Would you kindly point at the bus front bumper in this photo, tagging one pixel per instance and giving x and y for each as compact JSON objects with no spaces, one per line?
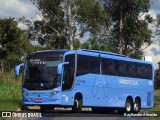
{"x":45,"y":100}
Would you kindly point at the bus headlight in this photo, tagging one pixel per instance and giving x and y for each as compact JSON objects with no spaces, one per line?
{"x":53,"y":93}
{"x":25,"y":93}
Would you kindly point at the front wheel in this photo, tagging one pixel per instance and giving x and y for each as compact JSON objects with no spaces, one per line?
{"x":44,"y":108}
{"x":77,"y":104}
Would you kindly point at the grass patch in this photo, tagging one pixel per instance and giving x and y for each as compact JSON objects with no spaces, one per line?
{"x":10,"y":91}
{"x":10,"y":87}
{"x":9,"y":106}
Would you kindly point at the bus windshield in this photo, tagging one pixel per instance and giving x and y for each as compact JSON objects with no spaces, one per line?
{"x":40,"y":73}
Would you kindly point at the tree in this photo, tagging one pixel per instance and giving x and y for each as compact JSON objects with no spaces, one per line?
{"x":65,"y":20}
{"x":13,"y":43}
{"x":92,"y":17}
{"x":157,"y":23}
{"x":50,"y":30}
{"x":130,"y":32}
{"x":157,"y":77}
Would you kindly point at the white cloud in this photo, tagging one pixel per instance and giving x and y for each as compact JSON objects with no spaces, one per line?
{"x":17,"y":8}
{"x":154,"y":51}
{"x":151,"y":12}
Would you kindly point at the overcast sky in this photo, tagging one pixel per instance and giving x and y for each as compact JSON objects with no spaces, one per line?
{"x":19,"y":8}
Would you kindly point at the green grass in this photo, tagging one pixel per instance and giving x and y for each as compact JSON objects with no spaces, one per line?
{"x":10,"y":91}
{"x":10,"y":87}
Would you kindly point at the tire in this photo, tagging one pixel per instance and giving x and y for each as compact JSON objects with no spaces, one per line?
{"x":100,"y":110}
{"x":95,"y":110}
{"x":136,"y":106}
{"x":77,"y":104}
{"x":44,"y":108}
{"x":128,"y":106}
{"x":23,"y":107}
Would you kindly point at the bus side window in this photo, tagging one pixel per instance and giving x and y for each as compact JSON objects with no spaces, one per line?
{"x":140,"y":71}
{"x":108,"y":66}
{"x":120,"y":68}
{"x":88,"y":64}
{"x":148,"y":72}
{"x":131,"y":69}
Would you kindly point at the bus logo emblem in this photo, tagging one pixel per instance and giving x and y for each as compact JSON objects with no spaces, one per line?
{"x":41,"y":85}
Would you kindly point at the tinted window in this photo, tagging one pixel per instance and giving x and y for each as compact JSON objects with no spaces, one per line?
{"x":130,"y":69}
{"x":144,"y":71}
{"x":120,"y":68}
{"x":108,"y":66}
{"x":126,"y":69}
{"x":87,"y":64}
{"x":148,"y":72}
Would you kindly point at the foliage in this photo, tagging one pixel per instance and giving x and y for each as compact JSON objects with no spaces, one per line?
{"x":48,"y":31}
{"x":157,"y":78}
{"x":13,"y":43}
{"x":96,"y":43}
{"x":130,"y":32}
{"x":11,"y":38}
{"x":76,"y":44}
{"x":9,"y":91}
{"x":112,"y":25}
{"x":10,"y":87}
{"x":63,"y":21}
{"x":157,"y":24}
{"x":10,"y":61}
{"x":92,"y":17}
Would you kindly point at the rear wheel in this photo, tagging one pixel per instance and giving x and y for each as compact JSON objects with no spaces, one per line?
{"x":128,"y":106}
{"x":77,"y":104}
{"x":136,"y":106}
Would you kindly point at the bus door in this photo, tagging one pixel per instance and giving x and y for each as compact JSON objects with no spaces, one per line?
{"x":68,"y":80}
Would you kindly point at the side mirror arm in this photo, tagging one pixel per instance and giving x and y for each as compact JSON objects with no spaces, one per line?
{"x":60,"y":66}
{"x":17,"y":69}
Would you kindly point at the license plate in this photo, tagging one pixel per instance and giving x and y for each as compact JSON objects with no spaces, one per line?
{"x":38,"y":100}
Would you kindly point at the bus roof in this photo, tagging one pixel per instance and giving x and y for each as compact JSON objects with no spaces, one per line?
{"x":47,"y":52}
{"x":103,"y":52}
{"x":87,"y":51}
{"x":112,"y":55}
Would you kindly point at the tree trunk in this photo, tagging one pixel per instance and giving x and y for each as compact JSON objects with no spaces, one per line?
{"x":2,"y":69}
{"x":121,"y":32}
{"x":70,"y":27}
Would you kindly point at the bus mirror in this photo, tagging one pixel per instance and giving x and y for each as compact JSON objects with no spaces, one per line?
{"x":17,"y":69}
{"x":60,"y":66}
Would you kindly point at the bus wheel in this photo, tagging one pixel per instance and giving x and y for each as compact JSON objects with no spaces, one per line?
{"x":136,"y":106}
{"x":94,"y":109}
{"x":129,"y":106}
{"x":43,"y":108}
{"x":77,"y":104}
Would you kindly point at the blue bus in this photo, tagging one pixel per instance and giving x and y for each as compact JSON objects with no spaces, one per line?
{"x":87,"y":78}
